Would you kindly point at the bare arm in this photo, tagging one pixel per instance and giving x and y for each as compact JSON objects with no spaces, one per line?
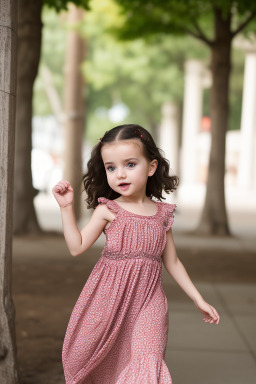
{"x":79,"y":242}
{"x":71,"y":232}
{"x":176,"y":269}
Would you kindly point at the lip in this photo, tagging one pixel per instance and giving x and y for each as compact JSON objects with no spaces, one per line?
{"x":123,"y":183}
{"x":124,"y":187}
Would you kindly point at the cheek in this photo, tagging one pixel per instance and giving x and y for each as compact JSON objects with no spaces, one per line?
{"x":141,"y":172}
{"x":110,"y":177}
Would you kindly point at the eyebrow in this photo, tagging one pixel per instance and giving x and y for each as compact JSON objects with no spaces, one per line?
{"x":131,"y":158}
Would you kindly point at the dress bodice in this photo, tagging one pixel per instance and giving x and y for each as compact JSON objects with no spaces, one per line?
{"x":133,"y":236}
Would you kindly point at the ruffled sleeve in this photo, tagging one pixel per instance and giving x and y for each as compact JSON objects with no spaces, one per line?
{"x":169,"y":216}
{"x":114,"y":207}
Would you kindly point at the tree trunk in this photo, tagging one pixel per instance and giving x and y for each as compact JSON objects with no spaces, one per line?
{"x":214,"y":217}
{"x":74,"y":108}
{"x":8,"y":47}
{"x":29,"y":45}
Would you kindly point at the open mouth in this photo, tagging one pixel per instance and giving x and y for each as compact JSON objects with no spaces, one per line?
{"x":123,"y":184}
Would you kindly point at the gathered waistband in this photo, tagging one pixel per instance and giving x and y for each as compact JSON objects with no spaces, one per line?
{"x":131,"y":256}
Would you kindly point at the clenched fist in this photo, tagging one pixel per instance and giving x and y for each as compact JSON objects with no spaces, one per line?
{"x":63,"y":193}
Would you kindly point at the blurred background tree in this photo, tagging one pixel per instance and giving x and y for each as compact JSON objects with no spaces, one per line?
{"x":29,"y":50}
{"x":215,"y":23}
{"x":139,"y":75}
{"x":113,"y":69}
{"x":129,"y":80}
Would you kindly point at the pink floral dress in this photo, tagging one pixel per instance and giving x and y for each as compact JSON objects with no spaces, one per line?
{"x":118,"y":330}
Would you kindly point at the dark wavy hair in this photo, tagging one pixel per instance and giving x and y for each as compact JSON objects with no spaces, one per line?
{"x":95,"y":179}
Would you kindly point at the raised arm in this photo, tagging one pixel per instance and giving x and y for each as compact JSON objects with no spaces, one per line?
{"x":77,"y":242}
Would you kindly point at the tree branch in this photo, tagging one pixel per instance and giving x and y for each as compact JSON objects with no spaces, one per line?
{"x":243,"y":25}
{"x":199,"y":36}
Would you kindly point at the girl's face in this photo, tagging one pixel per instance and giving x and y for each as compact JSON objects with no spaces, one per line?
{"x":125,"y":163}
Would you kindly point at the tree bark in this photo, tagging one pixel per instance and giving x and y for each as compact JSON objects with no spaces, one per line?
{"x":214,"y":217}
{"x":8,"y":46}
{"x":29,"y":46}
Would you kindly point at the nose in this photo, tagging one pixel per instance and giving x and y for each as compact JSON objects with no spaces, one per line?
{"x":121,"y":173}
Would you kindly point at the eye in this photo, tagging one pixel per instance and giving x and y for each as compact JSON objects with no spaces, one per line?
{"x":110,"y":167}
{"x":132,"y":164}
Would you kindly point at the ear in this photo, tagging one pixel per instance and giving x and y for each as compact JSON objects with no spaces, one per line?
{"x":152,"y":167}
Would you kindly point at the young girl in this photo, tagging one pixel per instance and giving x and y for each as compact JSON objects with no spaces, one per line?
{"x":118,"y":330}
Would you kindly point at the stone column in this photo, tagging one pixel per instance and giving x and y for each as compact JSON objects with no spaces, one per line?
{"x":168,"y":135}
{"x":247,"y":161}
{"x":192,"y":113}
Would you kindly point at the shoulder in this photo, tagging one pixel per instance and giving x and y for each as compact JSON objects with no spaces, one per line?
{"x":168,"y":207}
{"x":106,"y":205}
{"x":101,"y":211}
{"x":168,"y":214}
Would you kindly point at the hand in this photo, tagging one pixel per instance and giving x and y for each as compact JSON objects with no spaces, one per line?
{"x":63,"y":193}
{"x":209,"y":312}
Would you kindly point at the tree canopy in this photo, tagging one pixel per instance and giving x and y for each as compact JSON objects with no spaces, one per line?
{"x":60,"y":5}
{"x":192,"y":17}
{"x":126,"y":71}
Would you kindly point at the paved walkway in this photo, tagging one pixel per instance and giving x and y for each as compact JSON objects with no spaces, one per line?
{"x":223,"y":270}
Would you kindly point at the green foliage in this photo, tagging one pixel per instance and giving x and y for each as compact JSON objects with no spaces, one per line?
{"x":60,"y":5}
{"x":142,"y":74}
{"x":196,"y":17}
{"x":150,"y":18}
